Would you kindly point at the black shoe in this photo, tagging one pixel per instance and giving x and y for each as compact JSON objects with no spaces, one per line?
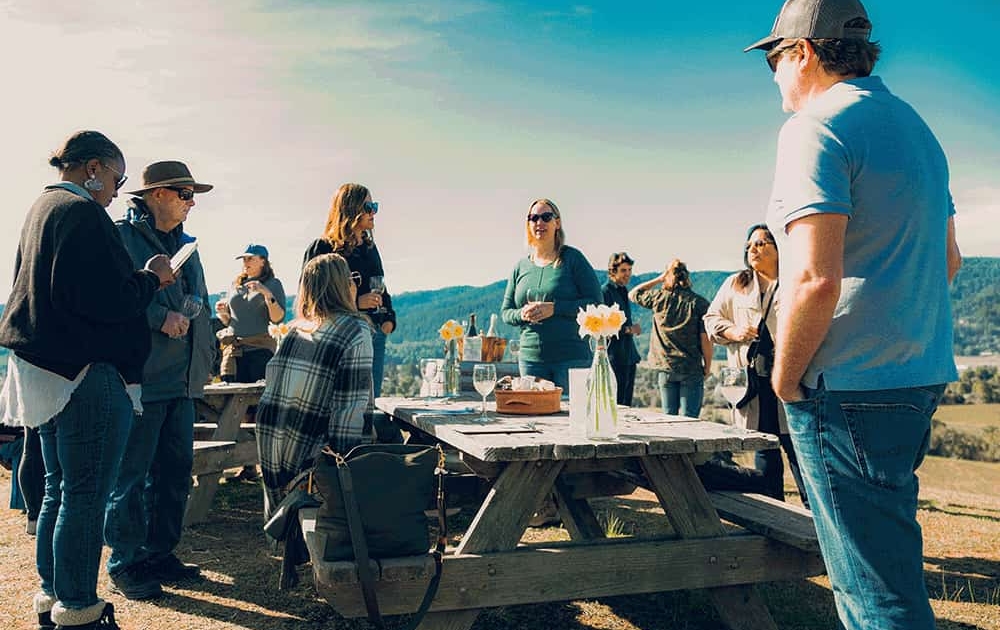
{"x":170,"y":569}
{"x":105,"y":622}
{"x":135,"y":583}
{"x":45,"y":621}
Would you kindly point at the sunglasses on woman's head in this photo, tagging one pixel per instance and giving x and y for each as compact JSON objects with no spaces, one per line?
{"x":544,"y":217}
{"x":185,"y":194}
{"x":371,"y":207}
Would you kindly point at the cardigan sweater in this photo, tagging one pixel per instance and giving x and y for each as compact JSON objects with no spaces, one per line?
{"x":77,"y":298}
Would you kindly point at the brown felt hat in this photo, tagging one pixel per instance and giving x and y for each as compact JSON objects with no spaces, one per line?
{"x":168,"y":174}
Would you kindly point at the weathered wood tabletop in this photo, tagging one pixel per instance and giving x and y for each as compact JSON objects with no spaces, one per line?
{"x":528,"y":458}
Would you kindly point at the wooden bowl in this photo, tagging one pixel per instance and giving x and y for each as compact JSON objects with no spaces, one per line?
{"x":528,"y":402}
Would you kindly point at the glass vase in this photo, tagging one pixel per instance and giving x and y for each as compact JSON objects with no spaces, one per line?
{"x":452,"y":369}
{"x":602,"y":395}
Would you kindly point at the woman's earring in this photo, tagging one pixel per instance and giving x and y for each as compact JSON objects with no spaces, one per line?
{"x":93,"y":184}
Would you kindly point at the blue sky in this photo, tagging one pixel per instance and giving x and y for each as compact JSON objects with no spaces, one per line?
{"x":644,"y":121}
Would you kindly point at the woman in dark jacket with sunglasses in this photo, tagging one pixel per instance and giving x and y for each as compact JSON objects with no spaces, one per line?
{"x":76,"y":323}
{"x":348,"y":232}
{"x":543,"y":295}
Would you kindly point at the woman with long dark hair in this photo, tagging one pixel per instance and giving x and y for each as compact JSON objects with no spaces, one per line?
{"x":348,"y":232}
{"x":743,"y":313}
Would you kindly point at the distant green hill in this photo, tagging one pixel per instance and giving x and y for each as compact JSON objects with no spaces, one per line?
{"x":975,"y":299}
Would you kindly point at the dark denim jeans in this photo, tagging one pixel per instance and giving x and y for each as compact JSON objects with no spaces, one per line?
{"x":625,"y":375}
{"x":681,"y":395}
{"x":378,"y":360}
{"x":558,"y":373}
{"x":82,"y":447}
{"x":146,"y":508}
{"x":858,"y":451}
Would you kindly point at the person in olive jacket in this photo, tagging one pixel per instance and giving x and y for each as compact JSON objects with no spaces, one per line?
{"x":146,"y":508}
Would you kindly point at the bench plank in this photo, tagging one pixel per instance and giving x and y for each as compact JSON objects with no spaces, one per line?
{"x":539,"y":574}
{"x":782,"y":521}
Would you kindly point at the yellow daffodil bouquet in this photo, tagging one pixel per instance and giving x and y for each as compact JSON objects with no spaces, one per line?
{"x":451,"y":330}
{"x":600,"y":321}
{"x":278,"y":331}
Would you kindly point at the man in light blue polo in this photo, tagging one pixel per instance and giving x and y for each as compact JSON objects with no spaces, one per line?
{"x":864,"y":216}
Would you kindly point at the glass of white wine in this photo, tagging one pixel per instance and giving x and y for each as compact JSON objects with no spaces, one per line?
{"x":732,"y":384}
{"x":377,"y":285}
{"x":484,"y":379}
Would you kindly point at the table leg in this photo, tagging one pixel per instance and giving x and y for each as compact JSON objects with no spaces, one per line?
{"x":577,"y":515}
{"x":227,"y":430}
{"x":690,"y":512}
{"x":500,"y":523}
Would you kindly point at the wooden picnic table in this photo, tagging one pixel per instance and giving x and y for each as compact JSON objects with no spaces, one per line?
{"x":226,"y":442}
{"x":530,"y":458}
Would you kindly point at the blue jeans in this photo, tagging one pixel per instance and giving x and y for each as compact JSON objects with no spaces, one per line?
{"x":82,"y":447}
{"x":681,"y":395}
{"x":378,"y":360}
{"x":557,"y":372}
{"x":145,"y":511}
{"x":858,"y":451}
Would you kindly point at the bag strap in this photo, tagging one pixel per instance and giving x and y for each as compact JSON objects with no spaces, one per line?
{"x":360,"y":544}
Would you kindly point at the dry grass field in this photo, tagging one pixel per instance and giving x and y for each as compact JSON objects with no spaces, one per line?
{"x":960,"y":514}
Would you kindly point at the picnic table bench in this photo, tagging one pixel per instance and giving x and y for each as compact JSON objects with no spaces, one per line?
{"x":222,"y":442}
{"x":529,"y":458}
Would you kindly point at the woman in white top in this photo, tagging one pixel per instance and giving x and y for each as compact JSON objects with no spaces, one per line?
{"x":734,"y":320}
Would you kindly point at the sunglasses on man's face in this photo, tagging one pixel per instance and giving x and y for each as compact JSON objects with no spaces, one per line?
{"x":185,"y":194}
{"x":371,"y":207}
{"x":544,"y":217}
{"x":356,"y":278}
{"x":775,"y":54}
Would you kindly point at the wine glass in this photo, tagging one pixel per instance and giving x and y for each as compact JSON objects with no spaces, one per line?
{"x":376,"y":284}
{"x":191,"y":306}
{"x":428,"y":370}
{"x":514,"y":345}
{"x":484,"y":379}
{"x":732,"y":384}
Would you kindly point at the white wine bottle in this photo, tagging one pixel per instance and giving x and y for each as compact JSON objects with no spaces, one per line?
{"x":492,"y":332}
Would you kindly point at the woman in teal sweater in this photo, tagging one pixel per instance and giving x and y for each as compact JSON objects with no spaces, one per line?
{"x":543,"y":295}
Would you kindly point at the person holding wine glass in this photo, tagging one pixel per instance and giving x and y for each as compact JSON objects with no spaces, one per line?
{"x":76,"y":325}
{"x":145,"y":511}
{"x":744,"y":314}
{"x":350,"y":223}
{"x":544,"y":292}
{"x":257,"y":299}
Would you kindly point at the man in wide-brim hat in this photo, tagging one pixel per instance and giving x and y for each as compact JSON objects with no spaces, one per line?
{"x":143,"y":525}
{"x":168,"y":174}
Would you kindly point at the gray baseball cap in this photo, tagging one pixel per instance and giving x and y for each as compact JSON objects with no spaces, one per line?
{"x":815,"y":19}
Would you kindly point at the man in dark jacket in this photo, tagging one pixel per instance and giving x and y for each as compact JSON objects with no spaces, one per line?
{"x":622,"y":351}
{"x":146,"y":509}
